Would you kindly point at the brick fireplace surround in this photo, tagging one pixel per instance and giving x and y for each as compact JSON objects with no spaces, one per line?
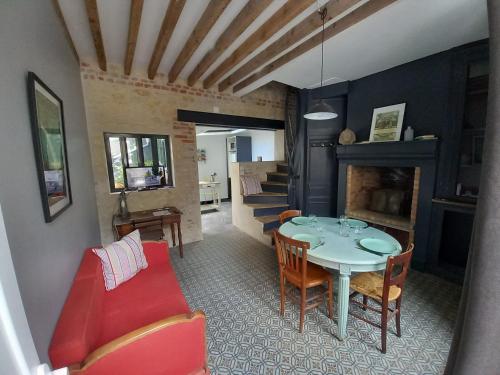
{"x":399,"y":204}
{"x":360,"y":174}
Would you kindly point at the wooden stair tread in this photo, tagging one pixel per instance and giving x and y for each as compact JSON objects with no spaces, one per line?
{"x":266,"y":205}
{"x":267,"y":219}
{"x":273,"y":183}
{"x":268,"y":193}
{"x":277,"y":174}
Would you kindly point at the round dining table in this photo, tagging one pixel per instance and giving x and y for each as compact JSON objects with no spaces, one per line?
{"x":343,"y":254}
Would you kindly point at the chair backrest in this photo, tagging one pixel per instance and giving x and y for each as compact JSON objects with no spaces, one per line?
{"x":291,"y":254}
{"x":401,"y":261}
{"x":288,"y":214}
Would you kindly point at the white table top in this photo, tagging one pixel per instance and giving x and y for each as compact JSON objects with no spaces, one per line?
{"x":342,"y":253}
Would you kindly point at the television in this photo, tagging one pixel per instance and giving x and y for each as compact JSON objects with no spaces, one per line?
{"x":145,"y":177}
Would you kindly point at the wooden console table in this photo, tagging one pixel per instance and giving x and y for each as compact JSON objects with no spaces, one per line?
{"x":156,"y":217}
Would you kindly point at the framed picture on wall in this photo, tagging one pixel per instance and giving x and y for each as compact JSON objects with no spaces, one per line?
{"x":47,"y":128}
{"x":387,"y":123}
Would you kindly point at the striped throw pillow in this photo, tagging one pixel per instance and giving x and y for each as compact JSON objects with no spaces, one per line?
{"x":250,"y":184}
{"x":122,"y":260}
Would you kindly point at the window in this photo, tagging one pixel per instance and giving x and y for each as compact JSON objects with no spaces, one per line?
{"x":138,"y":161}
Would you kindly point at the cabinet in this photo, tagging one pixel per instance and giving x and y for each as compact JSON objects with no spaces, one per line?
{"x":453,"y":209}
{"x":239,"y":149}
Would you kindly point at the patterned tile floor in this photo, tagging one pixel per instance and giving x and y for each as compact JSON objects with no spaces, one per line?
{"x":233,"y":278}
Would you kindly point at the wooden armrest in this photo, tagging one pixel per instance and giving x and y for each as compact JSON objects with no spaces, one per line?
{"x":133,"y":336}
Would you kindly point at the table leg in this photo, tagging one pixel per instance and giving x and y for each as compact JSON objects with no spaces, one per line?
{"x":343,"y":304}
{"x":181,"y":250}
{"x":172,"y":230}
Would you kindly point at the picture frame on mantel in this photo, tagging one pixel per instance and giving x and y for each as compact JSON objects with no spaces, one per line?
{"x":387,"y":123}
{"x":49,"y":142}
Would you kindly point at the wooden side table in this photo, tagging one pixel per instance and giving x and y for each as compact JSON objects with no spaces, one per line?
{"x":169,"y":216}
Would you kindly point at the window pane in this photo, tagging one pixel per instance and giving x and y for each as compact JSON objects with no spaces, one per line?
{"x":147,"y":150}
{"x":132,"y":152}
{"x":162,"y":152}
{"x":116,"y":162}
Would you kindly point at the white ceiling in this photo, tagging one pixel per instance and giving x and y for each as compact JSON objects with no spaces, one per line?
{"x":402,"y":32}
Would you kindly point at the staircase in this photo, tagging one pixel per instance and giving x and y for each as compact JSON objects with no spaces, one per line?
{"x":274,"y":199}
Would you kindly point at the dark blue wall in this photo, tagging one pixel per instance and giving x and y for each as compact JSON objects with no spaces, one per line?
{"x":422,"y":84}
{"x":433,"y":89}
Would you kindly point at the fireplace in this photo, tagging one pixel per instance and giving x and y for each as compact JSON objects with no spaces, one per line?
{"x":385,"y":196}
{"x":391,"y":186}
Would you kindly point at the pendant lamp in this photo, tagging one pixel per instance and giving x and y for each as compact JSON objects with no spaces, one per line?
{"x":321,"y":110}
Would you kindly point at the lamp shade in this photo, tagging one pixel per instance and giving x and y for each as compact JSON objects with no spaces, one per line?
{"x":320,"y":111}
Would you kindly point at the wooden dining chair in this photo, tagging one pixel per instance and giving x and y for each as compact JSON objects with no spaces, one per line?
{"x":383,"y":290}
{"x":297,"y":271}
{"x":288,"y":214}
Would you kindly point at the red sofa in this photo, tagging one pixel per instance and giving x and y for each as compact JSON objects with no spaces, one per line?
{"x":144,"y":326}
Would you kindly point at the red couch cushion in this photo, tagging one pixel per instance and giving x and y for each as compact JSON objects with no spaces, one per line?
{"x":79,"y":325}
{"x":92,"y":317}
{"x":151,"y":295}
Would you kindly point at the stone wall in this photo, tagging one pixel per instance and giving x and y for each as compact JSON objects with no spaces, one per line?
{"x":135,"y":104}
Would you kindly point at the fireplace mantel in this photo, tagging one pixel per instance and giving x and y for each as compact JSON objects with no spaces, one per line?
{"x":414,"y":150}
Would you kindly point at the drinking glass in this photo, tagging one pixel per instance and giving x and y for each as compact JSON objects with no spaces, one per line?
{"x":344,"y":228}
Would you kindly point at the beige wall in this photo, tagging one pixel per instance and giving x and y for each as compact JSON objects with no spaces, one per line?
{"x":117,"y":103}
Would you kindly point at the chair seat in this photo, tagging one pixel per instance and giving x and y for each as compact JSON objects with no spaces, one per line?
{"x":316,"y":275}
{"x":371,"y":284}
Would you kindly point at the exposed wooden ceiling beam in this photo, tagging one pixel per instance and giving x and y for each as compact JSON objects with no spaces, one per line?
{"x":294,"y":35}
{"x":290,"y":10}
{"x":67,"y":35}
{"x":357,"y":15}
{"x":133,"y":31}
{"x":95,"y":28}
{"x":239,"y":24}
{"x":172,"y":15}
{"x":211,"y":14}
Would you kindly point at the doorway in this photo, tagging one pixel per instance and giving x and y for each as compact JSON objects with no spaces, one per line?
{"x":218,"y":147}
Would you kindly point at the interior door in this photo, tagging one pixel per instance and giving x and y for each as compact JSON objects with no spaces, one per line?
{"x":321,"y":179}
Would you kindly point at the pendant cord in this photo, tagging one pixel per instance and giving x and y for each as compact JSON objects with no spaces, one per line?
{"x":322,"y":12}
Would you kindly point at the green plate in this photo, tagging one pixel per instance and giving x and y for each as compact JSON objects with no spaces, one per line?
{"x":377,"y":245}
{"x":353,"y":223}
{"x":301,"y":220}
{"x":314,"y":241}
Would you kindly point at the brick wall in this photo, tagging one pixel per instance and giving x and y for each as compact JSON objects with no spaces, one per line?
{"x":135,"y":104}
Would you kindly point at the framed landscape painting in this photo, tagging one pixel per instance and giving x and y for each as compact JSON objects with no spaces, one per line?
{"x":47,"y":127}
{"x":387,"y":123}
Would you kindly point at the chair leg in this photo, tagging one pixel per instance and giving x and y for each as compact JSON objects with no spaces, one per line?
{"x":398,"y":317}
{"x":330,"y":298}
{"x":302,"y":308}
{"x":384,"y":326}
{"x":365,"y":302}
{"x":282,"y":296}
